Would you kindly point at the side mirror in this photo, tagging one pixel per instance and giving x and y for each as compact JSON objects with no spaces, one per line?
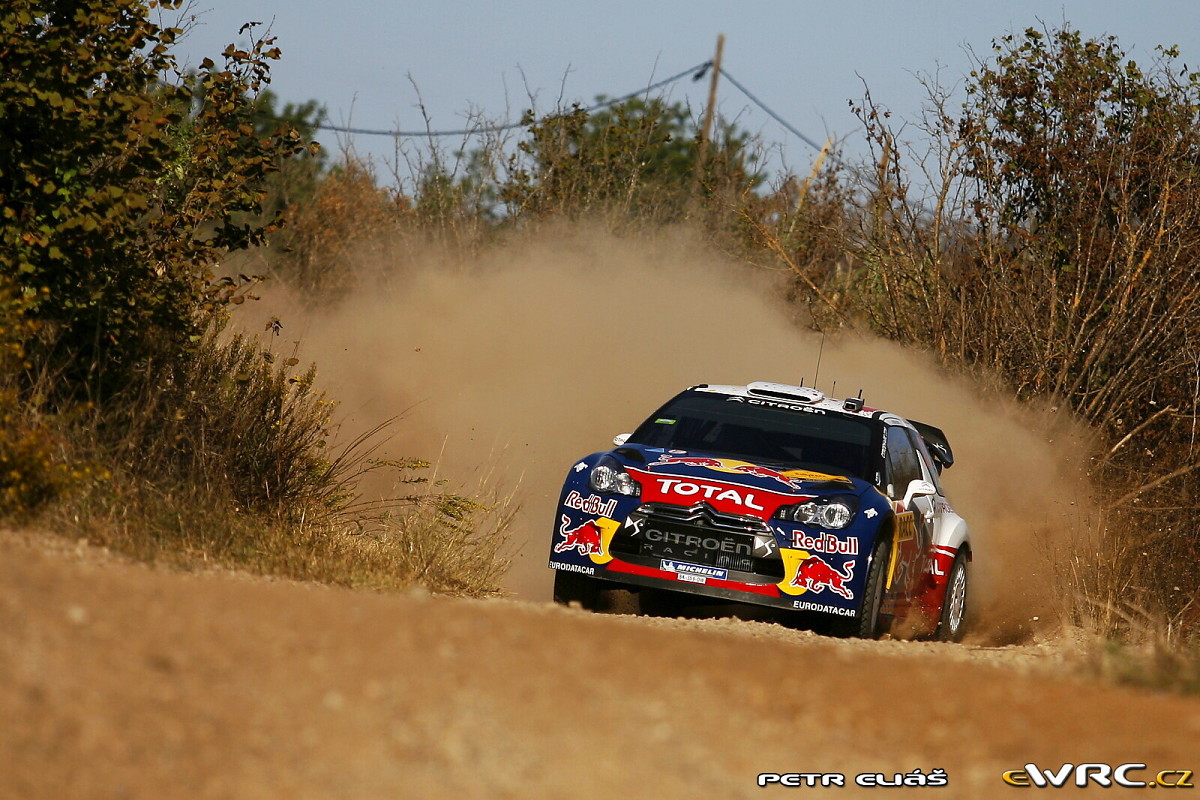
{"x":621,"y":438}
{"x":918,"y":488}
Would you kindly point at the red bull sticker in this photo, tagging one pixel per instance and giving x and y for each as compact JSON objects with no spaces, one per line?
{"x":814,"y":574}
{"x":792,"y":479}
{"x":588,"y":539}
{"x":585,"y":538}
{"x":592,"y":504}
{"x":825,"y":543}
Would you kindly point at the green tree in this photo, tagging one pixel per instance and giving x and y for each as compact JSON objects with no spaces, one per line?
{"x":296,"y":181}
{"x":639,"y":155}
{"x":120,"y":186}
{"x":1086,"y":176}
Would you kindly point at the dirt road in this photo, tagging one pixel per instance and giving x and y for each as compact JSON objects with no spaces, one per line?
{"x":120,"y":681}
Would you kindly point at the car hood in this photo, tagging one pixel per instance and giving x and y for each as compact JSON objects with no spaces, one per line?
{"x":727,"y":484}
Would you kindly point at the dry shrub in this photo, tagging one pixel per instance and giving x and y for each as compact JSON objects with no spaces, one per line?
{"x":1045,"y":236}
{"x":119,"y":198}
{"x":38,"y":465}
{"x":1161,"y":663}
{"x":801,"y":228}
{"x":637,"y":159}
{"x":232,"y":459}
{"x":413,"y":540}
{"x":35,"y":466}
{"x":347,"y":208}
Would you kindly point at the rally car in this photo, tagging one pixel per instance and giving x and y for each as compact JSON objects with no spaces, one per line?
{"x":772,"y":495}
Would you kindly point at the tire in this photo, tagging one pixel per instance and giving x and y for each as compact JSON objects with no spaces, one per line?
{"x":662,"y":603}
{"x":571,"y":587}
{"x":867,"y":624}
{"x":593,"y":595}
{"x":953,"y":621}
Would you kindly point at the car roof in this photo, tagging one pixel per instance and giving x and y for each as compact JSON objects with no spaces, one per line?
{"x":803,"y":396}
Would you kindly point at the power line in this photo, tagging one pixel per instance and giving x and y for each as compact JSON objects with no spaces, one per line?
{"x":697,"y":72}
{"x":791,"y":129}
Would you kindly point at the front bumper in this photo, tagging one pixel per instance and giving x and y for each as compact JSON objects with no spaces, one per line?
{"x":700,"y":551}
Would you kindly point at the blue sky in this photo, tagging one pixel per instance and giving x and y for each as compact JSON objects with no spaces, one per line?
{"x":805,"y":60}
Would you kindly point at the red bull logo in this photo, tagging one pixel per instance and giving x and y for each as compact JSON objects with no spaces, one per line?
{"x":690,"y":461}
{"x":816,"y":575}
{"x":590,"y":504}
{"x":586,"y":538}
{"x":727,"y":466}
{"x":765,"y":472}
{"x":824,"y":543}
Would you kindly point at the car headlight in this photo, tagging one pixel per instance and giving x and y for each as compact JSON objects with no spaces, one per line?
{"x":830,"y":512}
{"x":609,"y":477}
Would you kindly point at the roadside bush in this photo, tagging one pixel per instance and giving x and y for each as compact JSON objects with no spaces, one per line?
{"x":33,"y":470}
{"x":233,"y":460}
{"x":1047,"y":237}
{"x":34,"y":466}
{"x":118,"y":193}
{"x":127,"y":415}
{"x":232,"y":416}
{"x":639,"y":157}
{"x":1055,"y":244}
{"x":346,"y":211}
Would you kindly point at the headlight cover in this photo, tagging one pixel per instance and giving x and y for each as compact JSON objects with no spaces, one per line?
{"x":832,"y":513}
{"x":609,"y":477}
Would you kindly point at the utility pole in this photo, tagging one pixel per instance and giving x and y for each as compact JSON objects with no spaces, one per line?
{"x":816,"y":170}
{"x":706,"y":130}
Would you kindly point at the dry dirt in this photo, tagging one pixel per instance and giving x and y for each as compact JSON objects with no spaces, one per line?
{"x":122,"y":681}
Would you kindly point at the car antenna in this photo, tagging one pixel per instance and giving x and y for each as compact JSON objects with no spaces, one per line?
{"x":821,"y":352}
{"x":833,"y":391}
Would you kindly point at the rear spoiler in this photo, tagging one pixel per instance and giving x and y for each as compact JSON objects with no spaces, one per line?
{"x":939,"y":446}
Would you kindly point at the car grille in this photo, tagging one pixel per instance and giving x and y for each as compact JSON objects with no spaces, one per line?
{"x":705,"y":516}
{"x":700,"y":535}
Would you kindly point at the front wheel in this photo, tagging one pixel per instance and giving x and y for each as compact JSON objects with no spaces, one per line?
{"x":571,"y":587}
{"x":869,"y":619}
{"x":868,"y":624}
{"x":593,"y":595}
{"x":952,"y":623}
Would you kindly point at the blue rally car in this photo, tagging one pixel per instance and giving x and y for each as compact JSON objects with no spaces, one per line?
{"x":773,"y":495}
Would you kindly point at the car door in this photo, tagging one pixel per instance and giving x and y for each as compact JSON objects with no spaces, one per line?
{"x":914,"y":523}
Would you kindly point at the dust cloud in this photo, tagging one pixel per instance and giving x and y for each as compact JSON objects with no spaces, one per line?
{"x":510,"y":368}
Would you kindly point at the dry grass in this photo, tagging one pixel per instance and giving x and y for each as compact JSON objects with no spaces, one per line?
{"x":405,"y":542}
{"x":1151,"y":652}
{"x":233,"y":459}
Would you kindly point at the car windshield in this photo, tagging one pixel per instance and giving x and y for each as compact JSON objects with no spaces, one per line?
{"x":725,"y":425}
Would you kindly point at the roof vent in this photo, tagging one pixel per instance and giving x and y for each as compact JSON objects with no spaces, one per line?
{"x":801,"y":394}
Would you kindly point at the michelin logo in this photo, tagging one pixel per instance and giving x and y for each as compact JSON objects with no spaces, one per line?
{"x":682,"y":568}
